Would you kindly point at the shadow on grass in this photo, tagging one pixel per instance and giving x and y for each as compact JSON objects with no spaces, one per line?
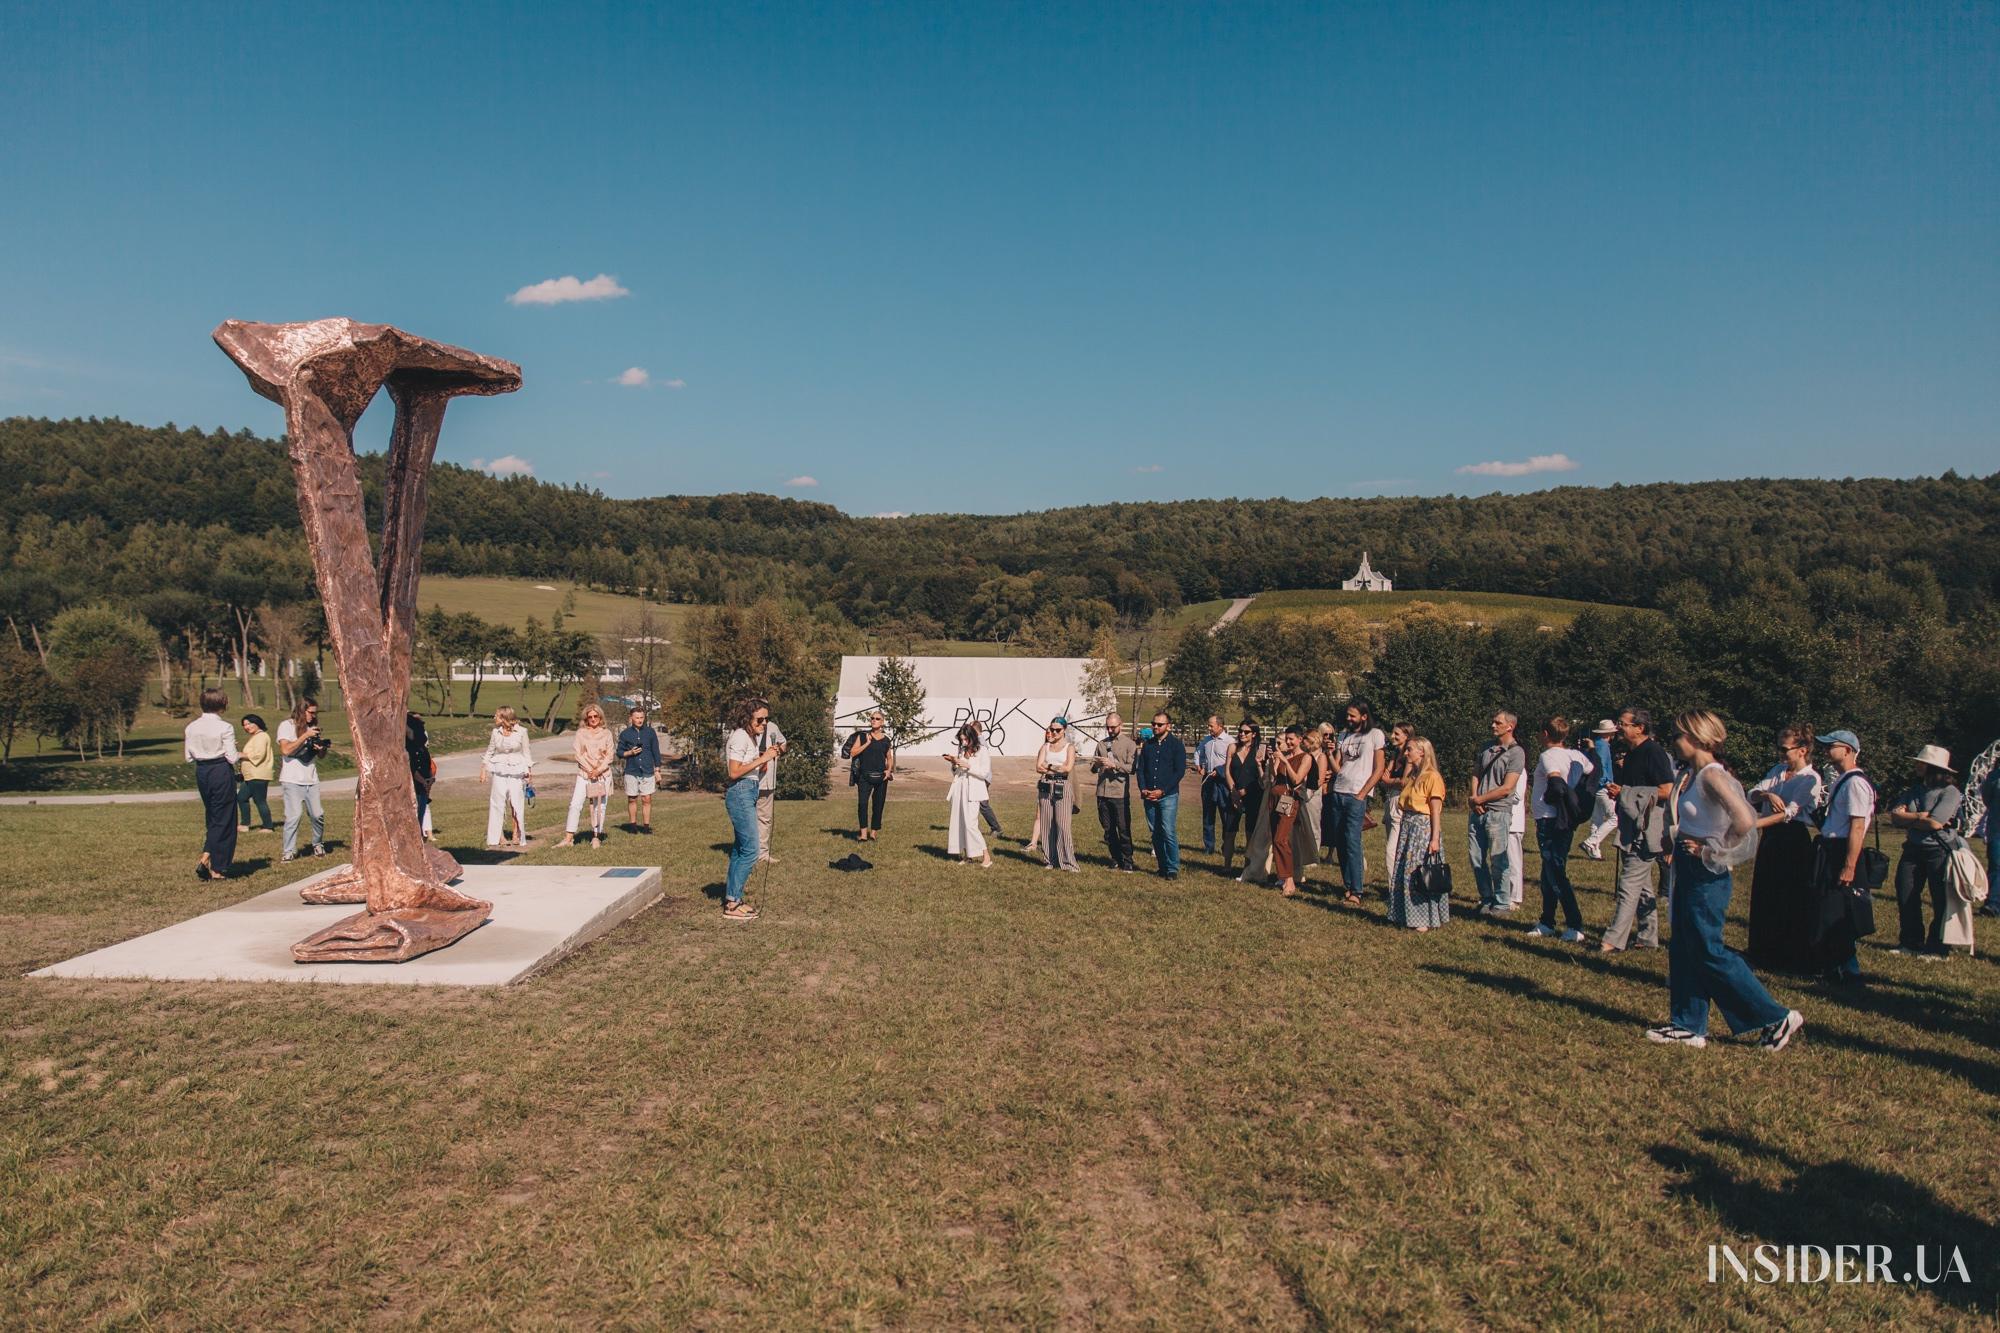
{"x":1532,"y":990}
{"x":1332,"y":901}
{"x":1590,"y":957}
{"x":1838,"y":1202}
{"x":1856,"y":1000}
{"x":1928,"y":1011}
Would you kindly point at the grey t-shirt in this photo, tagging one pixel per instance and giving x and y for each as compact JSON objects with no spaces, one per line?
{"x":1496,"y":761}
{"x":1940,"y":803}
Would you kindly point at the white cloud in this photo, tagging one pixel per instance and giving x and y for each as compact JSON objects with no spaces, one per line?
{"x":803,"y":481}
{"x":513,"y":465}
{"x":555,"y":291}
{"x":891,"y":513}
{"x":1150,"y":467}
{"x":633,"y":377}
{"x":1525,"y":468}
{"x":677,"y":384}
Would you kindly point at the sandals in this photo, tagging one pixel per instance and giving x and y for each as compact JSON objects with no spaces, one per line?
{"x":1350,"y":900}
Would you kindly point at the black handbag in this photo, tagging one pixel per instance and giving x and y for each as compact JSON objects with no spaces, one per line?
{"x":1431,"y":880}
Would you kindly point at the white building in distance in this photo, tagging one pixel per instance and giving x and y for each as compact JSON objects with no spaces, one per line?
{"x":1367,"y":580}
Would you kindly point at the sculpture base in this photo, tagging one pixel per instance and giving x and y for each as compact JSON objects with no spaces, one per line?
{"x":388,"y":937}
{"x":540,"y":914}
{"x":343,"y":883}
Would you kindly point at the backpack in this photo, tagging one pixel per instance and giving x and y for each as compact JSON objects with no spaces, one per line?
{"x":1582,"y":789}
{"x":1557,"y":795}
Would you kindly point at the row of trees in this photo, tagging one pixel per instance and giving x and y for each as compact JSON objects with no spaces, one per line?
{"x":1899,"y":675}
{"x":81,"y":686}
{"x":85,"y":502}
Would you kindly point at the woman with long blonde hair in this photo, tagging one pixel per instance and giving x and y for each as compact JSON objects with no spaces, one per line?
{"x":593,"y":777}
{"x":1419,"y":838}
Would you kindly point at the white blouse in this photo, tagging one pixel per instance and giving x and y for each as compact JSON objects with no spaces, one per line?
{"x":1798,"y":792}
{"x":209,"y":736}
{"x":507,"y":753}
{"x":976,"y":772}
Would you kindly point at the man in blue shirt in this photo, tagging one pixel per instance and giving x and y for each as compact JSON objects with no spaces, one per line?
{"x":1162,"y":764}
{"x":639,"y":747}
{"x":1604,"y":816}
{"x":1211,"y":757}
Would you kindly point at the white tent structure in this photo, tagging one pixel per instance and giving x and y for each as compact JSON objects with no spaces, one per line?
{"x":1012,"y":697}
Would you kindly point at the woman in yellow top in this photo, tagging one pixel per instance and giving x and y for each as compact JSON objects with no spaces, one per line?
{"x":593,"y":776}
{"x":1423,"y":810}
{"x":257,"y":767}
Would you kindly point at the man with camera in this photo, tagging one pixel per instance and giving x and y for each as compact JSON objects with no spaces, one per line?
{"x":301,"y":743}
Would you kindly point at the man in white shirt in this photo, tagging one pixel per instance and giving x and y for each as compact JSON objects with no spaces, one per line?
{"x":1850,"y":808}
{"x":767,"y":789}
{"x":300,"y":742}
{"x":1358,"y":761}
{"x":209,"y":743}
{"x":1554,"y":831}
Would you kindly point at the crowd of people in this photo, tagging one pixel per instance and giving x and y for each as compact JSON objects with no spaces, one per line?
{"x":1679,"y":820}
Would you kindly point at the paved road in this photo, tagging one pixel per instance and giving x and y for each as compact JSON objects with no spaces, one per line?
{"x":1229,"y":617}
{"x":463,"y":764}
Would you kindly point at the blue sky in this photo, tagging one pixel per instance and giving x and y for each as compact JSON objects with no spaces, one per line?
{"x":1000,"y":257}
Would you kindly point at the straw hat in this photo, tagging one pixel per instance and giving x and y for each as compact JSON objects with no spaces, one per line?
{"x":1937,"y":757}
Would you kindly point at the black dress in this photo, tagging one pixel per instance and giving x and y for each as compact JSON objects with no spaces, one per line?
{"x":1782,"y":899}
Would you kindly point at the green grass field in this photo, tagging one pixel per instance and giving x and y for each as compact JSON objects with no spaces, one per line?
{"x":1483,"y":607}
{"x":932,"y":1095}
{"x":511,"y":601}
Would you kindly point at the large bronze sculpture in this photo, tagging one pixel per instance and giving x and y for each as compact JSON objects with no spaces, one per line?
{"x":324,"y":374}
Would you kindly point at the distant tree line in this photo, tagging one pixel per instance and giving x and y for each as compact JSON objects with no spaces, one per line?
{"x":94,"y":502}
{"x":1867,"y":603}
{"x":1872,"y":653}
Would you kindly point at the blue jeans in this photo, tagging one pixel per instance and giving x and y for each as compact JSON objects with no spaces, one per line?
{"x":1492,"y":834}
{"x":1161,"y":817}
{"x":1214,"y":797}
{"x":1557,"y":891}
{"x":740,"y":799}
{"x":1343,"y":816}
{"x":302,"y":798}
{"x":1700,"y":967}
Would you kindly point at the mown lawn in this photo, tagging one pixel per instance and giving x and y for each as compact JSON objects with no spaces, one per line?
{"x":510,"y":602}
{"x":933,"y":1095}
{"x":1481,"y":607}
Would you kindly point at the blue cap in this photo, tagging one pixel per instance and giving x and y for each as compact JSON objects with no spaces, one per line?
{"x":1843,"y":737}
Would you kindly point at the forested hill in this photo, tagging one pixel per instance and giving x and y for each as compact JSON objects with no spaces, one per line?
{"x":92,"y":501}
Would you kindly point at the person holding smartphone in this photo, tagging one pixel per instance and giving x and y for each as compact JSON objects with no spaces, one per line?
{"x":301,"y":744}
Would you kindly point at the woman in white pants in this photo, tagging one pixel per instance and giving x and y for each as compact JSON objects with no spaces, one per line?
{"x":971,"y":782}
{"x":593,"y":776}
{"x":506,"y":769}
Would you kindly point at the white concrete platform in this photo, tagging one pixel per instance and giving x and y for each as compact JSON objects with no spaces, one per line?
{"x":540,"y":913}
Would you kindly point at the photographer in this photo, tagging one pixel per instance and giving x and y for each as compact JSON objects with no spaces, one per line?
{"x":300,"y":742}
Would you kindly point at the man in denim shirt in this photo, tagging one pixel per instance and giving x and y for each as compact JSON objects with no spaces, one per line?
{"x":1162,"y":764}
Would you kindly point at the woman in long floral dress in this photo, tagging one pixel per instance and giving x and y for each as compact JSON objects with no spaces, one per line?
{"x":1423,"y":810}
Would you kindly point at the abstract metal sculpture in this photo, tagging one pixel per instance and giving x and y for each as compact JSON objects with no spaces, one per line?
{"x":324,"y":374}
